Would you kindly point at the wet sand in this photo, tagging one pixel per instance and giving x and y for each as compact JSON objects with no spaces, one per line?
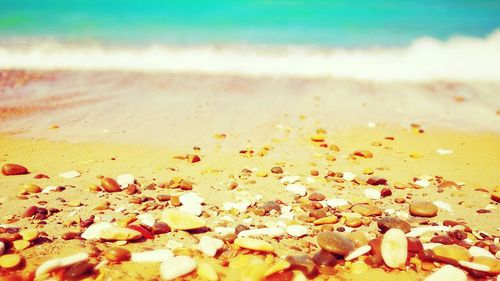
{"x":109,"y":124}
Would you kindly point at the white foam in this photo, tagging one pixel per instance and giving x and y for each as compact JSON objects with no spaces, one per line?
{"x":459,"y":58}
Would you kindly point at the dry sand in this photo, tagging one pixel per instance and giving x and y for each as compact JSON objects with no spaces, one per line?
{"x":110,"y":124}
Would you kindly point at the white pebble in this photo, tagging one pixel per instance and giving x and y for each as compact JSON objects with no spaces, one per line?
{"x":334,"y":203}
{"x":194,"y":209}
{"x":422,"y":183}
{"x":191,"y":198}
{"x":48,"y":189}
{"x":172,"y":244}
{"x":209,"y":245}
{"x":418,"y":231}
{"x":176,"y":267}
{"x":480,"y":252}
{"x":447,"y":272}
{"x":70,"y":175}
{"x":94,"y":231}
{"x":146,"y":219}
{"x":296,"y":189}
{"x":296,"y":230}
{"x":443,"y":205}
{"x":268,"y":231}
{"x":160,"y":255}
{"x":358,"y":252}
{"x":54,"y":264}
{"x":371,"y":193}
{"x":348,"y":176}
{"x":289,"y":179}
{"x":474,"y":266}
{"x":443,"y":151}
{"x":125,"y":180}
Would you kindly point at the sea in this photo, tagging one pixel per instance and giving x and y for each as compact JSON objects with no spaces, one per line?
{"x":363,"y":39}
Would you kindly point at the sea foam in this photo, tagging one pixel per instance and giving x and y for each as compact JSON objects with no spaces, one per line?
{"x":459,"y":58}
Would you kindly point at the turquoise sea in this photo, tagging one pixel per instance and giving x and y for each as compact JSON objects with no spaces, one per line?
{"x":290,"y":22}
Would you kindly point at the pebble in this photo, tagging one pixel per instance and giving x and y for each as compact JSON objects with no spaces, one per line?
{"x":480,"y":252}
{"x":267,"y":231}
{"x":160,"y":255}
{"x":443,"y":205}
{"x":29,"y":234}
{"x":116,"y":254}
{"x":303,"y":263}
{"x":278,"y":266}
{"x":451,"y":253}
{"x":163,"y":197}
{"x":146,"y":219}
{"x":207,"y":272}
{"x":387,"y":223}
{"x":70,"y":174}
{"x":191,"y":198}
{"x":418,"y":231}
{"x":335,"y":243}
{"x":10,"y":261}
{"x":363,"y":153}
{"x":492,"y":263}
{"x":181,"y":220}
{"x":209,"y":245}
{"x":296,"y":189}
{"x":448,"y":184}
{"x":93,"y":231}
{"x":110,"y":185}
{"x":366,"y":210}
{"x":125,"y":180}
{"x":271,"y":205}
{"x":334,"y":203}
{"x":423,"y":209}
{"x":253,"y":244}
{"x":277,"y":170}
{"x":394,"y":248}
{"x":119,"y":233}
{"x":358,"y":268}
{"x":78,"y":271}
{"x":474,"y":266}
{"x":447,"y":272}
{"x":176,"y":267}
{"x":289,"y":179}
{"x":358,"y":252}
{"x":296,"y":230}
{"x":193,"y":209}
{"x":348,"y":176}
{"x":376,"y":181}
{"x":326,"y":220}
{"x":444,"y":151}
{"x":324,"y":258}
{"x":353,"y":222}
{"x":2,"y":248}
{"x":54,"y":264}
{"x":371,"y":193}
{"x":21,"y":244}
{"x":317,"y":214}
{"x":32,"y":188}
{"x":14,"y":169}
{"x":315,"y":196}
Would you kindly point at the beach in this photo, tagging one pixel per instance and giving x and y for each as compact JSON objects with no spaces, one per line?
{"x":319,"y":148}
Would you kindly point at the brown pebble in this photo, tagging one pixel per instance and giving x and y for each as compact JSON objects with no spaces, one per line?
{"x":163,"y":197}
{"x":30,"y":211}
{"x":315,"y":196}
{"x":376,"y":181}
{"x":363,"y":153}
{"x":366,"y":210}
{"x":174,"y":199}
{"x":314,"y":173}
{"x":387,"y":223}
{"x":78,"y":271}
{"x":239,"y":228}
{"x":324,"y":258}
{"x":400,"y":200}
{"x":385,"y":192}
{"x":335,"y":243}
{"x":160,"y":228}
{"x":448,"y":184}
{"x":317,"y":214}
{"x":277,"y":170}
{"x":69,"y":235}
{"x":14,"y":169}
{"x":116,"y":254}
{"x":423,"y":209}
{"x":303,"y":263}
{"x":414,"y":245}
{"x":353,"y":222}
{"x":32,"y":188}
{"x":271,"y":205}
{"x":110,"y":185}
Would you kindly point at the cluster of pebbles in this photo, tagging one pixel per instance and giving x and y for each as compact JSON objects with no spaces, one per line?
{"x":329,"y":236}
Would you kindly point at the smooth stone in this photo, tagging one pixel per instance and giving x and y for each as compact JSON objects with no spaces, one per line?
{"x":296,"y":189}
{"x":475,"y":251}
{"x":315,"y":196}
{"x":358,"y":252}
{"x":29,"y":234}
{"x":21,"y":244}
{"x":116,"y":254}
{"x":2,"y":248}
{"x":324,"y":258}
{"x":335,"y":203}
{"x":271,"y":205}
{"x":146,"y":219}
{"x":32,"y":188}
{"x":207,"y":272}
{"x":366,"y":210}
{"x":386,"y":223}
{"x":181,"y":220}
{"x":125,"y":180}
{"x":176,"y":267}
{"x":191,"y":198}
{"x":209,"y":245}
{"x":492,"y":263}
{"x":70,"y":174}
{"x":160,"y":255}
{"x":289,"y":179}
{"x":303,"y":263}
{"x":160,"y":228}
{"x":326,"y":220}
{"x":14,"y":169}
{"x":119,"y":233}
{"x":335,"y":243}
{"x":376,"y":181}
{"x":371,"y":193}
{"x":268,"y":231}
{"x":394,"y":248}
{"x":78,"y":271}
{"x":474,"y":266}
{"x":348,"y":176}
{"x":443,"y":205}
{"x":54,"y":264}
{"x":451,"y":253}
{"x":253,"y":244}
{"x":193,"y":209}
{"x":418,"y":231}
{"x":423,"y":209}
{"x":353,"y":222}
{"x":447,"y":272}
{"x":10,"y":261}
{"x":110,"y":185}
{"x":296,"y":230}
{"x":94,"y":231}
{"x":278,"y":266}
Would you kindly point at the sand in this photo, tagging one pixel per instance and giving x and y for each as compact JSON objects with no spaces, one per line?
{"x":108,"y":124}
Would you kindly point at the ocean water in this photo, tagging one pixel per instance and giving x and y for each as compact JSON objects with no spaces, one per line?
{"x":363,"y":39}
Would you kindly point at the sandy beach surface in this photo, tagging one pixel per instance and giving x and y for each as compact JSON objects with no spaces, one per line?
{"x":332,"y":156}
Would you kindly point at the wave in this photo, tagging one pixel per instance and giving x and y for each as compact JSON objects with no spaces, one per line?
{"x":459,"y":58}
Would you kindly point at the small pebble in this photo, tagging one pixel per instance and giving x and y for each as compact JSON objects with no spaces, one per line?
{"x":176,"y":267}
{"x":116,"y":254}
{"x":423,"y":209}
{"x":14,"y":169}
{"x":10,"y":261}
